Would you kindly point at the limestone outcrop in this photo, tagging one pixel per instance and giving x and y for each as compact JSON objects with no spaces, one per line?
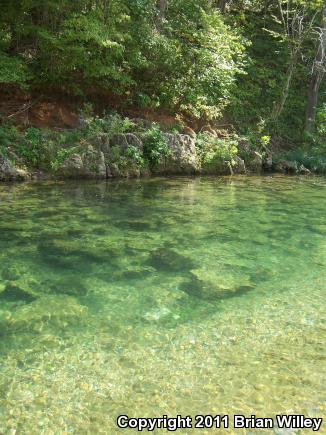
{"x":126,"y":155}
{"x":90,"y":164}
{"x":9,"y":172}
{"x":182,"y":158}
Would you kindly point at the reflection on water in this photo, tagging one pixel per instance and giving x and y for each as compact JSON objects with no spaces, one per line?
{"x":175,"y":296}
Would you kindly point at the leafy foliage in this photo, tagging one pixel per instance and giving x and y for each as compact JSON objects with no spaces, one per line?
{"x":214,"y":151}
{"x":188,"y":65}
{"x":13,"y":70}
{"x":249,"y":63}
{"x":135,"y":155}
{"x":39,"y":149}
{"x":111,"y":124}
{"x":283,"y":39}
{"x":317,"y":140}
{"x":155,"y":146}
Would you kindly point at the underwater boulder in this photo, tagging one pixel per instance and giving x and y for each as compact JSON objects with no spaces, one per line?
{"x":58,"y":253}
{"x":49,"y":311}
{"x":58,"y":247}
{"x":17,"y":292}
{"x":169,"y":260}
{"x":157,"y":314}
{"x":71,"y":285}
{"x":209,"y":285}
{"x":135,"y":225}
{"x":68,"y":253}
{"x":12,"y":273}
{"x":262,"y":274}
{"x":134,"y":272}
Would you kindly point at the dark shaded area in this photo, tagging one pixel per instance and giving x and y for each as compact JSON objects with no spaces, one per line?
{"x":164,"y":259}
{"x":15,"y":293}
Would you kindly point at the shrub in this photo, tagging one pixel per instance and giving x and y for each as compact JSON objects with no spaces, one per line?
{"x":8,"y":136}
{"x":213,"y":151}
{"x":317,"y":139}
{"x":135,"y":155}
{"x":155,"y":146}
{"x":60,"y":156}
{"x":111,"y":124}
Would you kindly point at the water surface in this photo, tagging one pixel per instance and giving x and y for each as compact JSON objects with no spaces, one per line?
{"x":161,"y":296}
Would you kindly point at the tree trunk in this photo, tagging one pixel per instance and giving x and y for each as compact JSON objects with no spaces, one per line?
{"x":318,"y":74}
{"x":278,"y":108}
{"x":161,"y":5}
{"x":221,"y":5}
{"x":106,"y":8}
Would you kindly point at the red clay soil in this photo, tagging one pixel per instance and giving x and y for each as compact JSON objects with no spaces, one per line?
{"x":27,"y":110}
{"x":57,"y":111}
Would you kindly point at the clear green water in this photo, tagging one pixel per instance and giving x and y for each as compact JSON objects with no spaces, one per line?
{"x":176,"y":296}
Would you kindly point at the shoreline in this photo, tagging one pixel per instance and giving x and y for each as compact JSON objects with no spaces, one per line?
{"x":153,"y":178}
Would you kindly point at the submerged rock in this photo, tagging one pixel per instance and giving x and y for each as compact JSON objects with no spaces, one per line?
{"x":12,"y":273}
{"x":209,"y":285}
{"x":71,"y":285}
{"x":133,"y":272}
{"x":135,"y":225}
{"x":58,"y":247}
{"x":69,"y":253}
{"x":262,"y":274}
{"x":59,"y":253}
{"x":157,"y":314}
{"x":16,"y":292}
{"x":48,"y":311}
{"x":169,"y":260}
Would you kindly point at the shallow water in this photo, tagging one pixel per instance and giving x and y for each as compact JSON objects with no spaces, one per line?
{"x":162,"y":296}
